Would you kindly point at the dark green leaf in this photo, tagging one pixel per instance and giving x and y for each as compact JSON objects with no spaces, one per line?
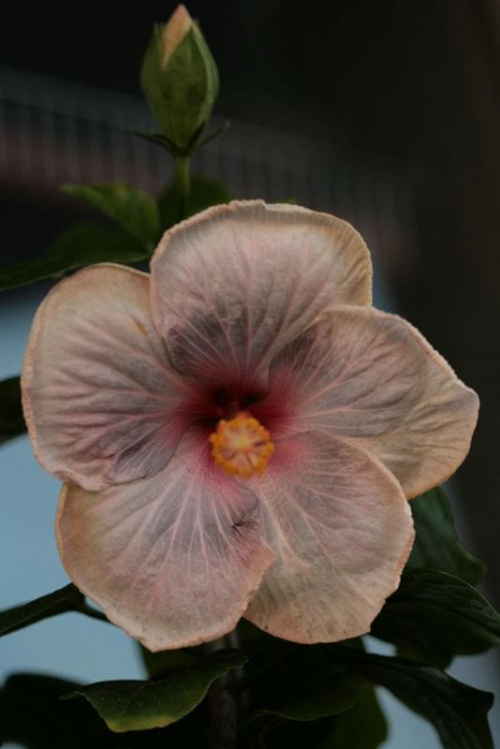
{"x":140,"y":705}
{"x":299,"y":693}
{"x":272,"y":732}
{"x":457,"y":712}
{"x":326,"y":694}
{"x":204,"y":193}
{"x":436,"y":546}
{"x":11,"y":412}
{"x":65,"y":599}
{"x":262,"y":648}
{"x":166,"y":661}
{"x":435,"y":616}
{"x":33,"y":715}
{"x":296,"y":682}
{"x":82,"y":245}
{"x":133,"y":209}
{"x":363,"y":726}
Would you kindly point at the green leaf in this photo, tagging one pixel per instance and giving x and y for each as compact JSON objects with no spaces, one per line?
{"x":81,"y":245}
{"x":32,"y":715}
{"x":11,"y":413}
{"x":436,"y":545}
{"x":65,"y":599}
{"x":203,"y":194}
{"x":435,"y":616}
{"x":327,"y":694}
{"x":363,"y":726}
{"x":164,"y":662}
{"x":262,"y":648}
{"x":296,"y":682}
{"x":302,"y":692}
{"x":141,"y":705}
{"x":457,"y":712}
{"x":133,"y":209}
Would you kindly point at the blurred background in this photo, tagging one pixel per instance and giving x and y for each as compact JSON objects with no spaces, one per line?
{"x":386,"y":114}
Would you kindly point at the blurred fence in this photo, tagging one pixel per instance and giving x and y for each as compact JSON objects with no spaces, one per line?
{"x":53,"y":131}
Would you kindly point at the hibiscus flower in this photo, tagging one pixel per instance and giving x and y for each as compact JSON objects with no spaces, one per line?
{"x":239,"y":431}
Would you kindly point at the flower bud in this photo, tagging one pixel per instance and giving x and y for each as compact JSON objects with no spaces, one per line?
{"x":179,"y":79}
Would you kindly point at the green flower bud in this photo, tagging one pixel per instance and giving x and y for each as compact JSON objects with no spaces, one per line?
{"x":179,"y":79}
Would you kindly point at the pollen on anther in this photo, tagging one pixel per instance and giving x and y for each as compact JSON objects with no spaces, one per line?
{"x":241,"y":446}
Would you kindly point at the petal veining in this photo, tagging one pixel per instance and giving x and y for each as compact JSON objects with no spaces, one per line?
{"x":234,"y":284}
{"x":101,"y":400}
{"x":373,"y":379}
{"x":173,"y":559}
{"x":341,"y":530}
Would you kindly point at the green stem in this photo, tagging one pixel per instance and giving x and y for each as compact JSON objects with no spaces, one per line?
{"x":183,"y":182}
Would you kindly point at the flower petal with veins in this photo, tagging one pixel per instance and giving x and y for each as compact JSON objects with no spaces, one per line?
{"x":251,"y":350}
{"x":371,"y":378}
{"x":341,"y":529}
{"x":173,"y":559}
{"x":101,"y":400}
{"x":233,"y":285}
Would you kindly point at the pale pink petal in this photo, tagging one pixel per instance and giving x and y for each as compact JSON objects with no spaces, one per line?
{"x":234,"y":284}
{"x":173,"y":559}
{"x":373,"y":379}
{"x":341,"y":529}
{"x":100,"y":398}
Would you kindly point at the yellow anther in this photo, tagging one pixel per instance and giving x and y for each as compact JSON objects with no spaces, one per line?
{"x":241,"y":446}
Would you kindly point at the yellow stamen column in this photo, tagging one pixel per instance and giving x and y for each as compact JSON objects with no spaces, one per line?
{"x":241,"y":446}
